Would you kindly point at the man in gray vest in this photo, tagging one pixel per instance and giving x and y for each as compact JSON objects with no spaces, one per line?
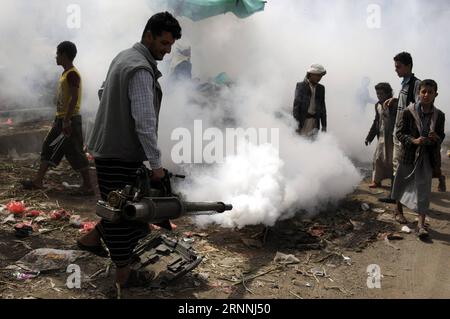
{"x":125,"y":135}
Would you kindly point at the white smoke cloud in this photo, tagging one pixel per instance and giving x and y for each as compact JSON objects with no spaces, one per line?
{"x":267,"y":54}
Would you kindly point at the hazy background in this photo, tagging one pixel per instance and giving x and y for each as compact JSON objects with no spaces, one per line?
{"x":266,"y":54}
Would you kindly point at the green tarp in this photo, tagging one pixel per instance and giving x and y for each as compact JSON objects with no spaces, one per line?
{"x":201,"y":9}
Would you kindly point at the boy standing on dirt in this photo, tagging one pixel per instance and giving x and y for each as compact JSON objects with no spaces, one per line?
{"x":420,"y":132}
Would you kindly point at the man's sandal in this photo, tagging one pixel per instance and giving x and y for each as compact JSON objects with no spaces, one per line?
{"x":400,"y":218}
{"x":422,"y":233}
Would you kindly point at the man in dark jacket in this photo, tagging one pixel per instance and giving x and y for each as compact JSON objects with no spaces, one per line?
{"x":309,"y":103}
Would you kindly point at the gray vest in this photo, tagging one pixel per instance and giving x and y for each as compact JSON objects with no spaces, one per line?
{"x":114,"y":135}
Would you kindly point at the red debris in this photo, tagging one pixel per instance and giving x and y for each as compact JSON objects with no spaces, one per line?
{"x":317,"y":230}
{"x":16,"y":207}
{"x":9,"y":121}
{"x":33,"y":213}
{"x":88,"y":226}
{"x":59,"y":214}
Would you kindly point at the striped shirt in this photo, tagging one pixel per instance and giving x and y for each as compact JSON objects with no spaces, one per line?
{"x":140,"y":92}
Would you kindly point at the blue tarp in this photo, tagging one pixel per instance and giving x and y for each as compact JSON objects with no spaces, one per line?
{"x":201,"y":9}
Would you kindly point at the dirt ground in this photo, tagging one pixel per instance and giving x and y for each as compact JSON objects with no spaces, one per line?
{"x":333,"y":250}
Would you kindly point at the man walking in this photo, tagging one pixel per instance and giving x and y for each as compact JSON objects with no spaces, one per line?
{"x":125,"y":135}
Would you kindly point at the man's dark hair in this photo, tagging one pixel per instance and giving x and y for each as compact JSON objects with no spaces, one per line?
{"x":68,"y":48}
{"x":404,"y":58}
{"x":429,"y":83}
{"x":161,"y":22}
{"x":385,"y":87}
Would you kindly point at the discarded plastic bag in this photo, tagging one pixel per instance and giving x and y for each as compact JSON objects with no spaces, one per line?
{"x":406,"y":229}
{"x":8,"y":219}
{"x":69,"y":186}
{"x":75,"y":221}
{"x":16,"y":207}
{"x":45,"y":259}
{"x":285,"y":259}
{"x":25,"y":275}
{"x":23,"y":229}
{"x":59,"y":214}
{"x":33,"y":213}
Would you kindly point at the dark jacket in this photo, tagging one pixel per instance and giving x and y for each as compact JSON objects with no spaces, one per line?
{"x":375,"y":129}
{"x":407,"y":130}
{"x":301,"y":104}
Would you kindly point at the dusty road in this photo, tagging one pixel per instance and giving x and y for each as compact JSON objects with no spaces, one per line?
{"x":418,"y":269}
{"x":333,"y":251}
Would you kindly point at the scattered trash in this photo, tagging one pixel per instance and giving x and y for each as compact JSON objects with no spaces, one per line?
{"x":252,"y":243}
{"x":2,"y":209}
{"x":188,"y":234}
{"x":378,"y":210}
{"x":16,"y":207}
{"x":317,"y":230}
{"x":385,"y":217}
{"x":87,"y":227}
{"x":318,"y":272}
{"x":40,"y":218}
{"x":406,"y":229}
{"x":188,"y":240}
{"x":25,"y":275}
{"x":33,"y":213}
{"x":8,"y":219}
{"x":45,"y":259}
{"x":285,"y":259}
{"x":75,"y":221}
{"x":348,"y":260}
{"x":365,"y":207}
{"x":68,"y":186}
{"x":59,"y":214}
